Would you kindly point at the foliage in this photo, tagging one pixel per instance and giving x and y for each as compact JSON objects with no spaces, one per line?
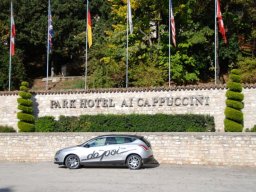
{"x":25,"y":116}
{"x":248,"y":68}
{"x":233,"y":113}
{"x":6,"y":129}
{"x":253,"y":129}
{"x":45,"y":124}
{"x":191,"y":61}
{"x":127,"y":123}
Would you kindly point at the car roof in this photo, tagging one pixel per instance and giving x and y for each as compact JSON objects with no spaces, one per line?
{"x":121,"y":135}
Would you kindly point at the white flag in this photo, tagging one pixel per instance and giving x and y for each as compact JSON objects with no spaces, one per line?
{"x":130,"y":16}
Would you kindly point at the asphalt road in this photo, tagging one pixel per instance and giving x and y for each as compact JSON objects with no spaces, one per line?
{"x":43,"y":177}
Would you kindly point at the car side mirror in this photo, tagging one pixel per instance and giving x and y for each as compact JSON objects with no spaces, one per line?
{"x":87,"y":146}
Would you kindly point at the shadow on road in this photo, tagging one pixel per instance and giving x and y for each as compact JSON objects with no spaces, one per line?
{"x":5,"y":190}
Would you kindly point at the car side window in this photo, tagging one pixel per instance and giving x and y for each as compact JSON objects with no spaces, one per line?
{"x":122,"y":140}
{"x":111,"y":141}
{"x":97,"y":142}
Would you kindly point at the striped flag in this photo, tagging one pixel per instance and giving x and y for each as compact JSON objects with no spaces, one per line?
{"x":13,"y":34}
{"x":220,"y":22}
{"x":89,"y":28}
{"x":172,"y":24}
{"x":50,"y":28}
{"x":130,"y":16}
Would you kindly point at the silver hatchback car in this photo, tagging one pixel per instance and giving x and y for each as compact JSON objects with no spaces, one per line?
{"x":130,"y":150}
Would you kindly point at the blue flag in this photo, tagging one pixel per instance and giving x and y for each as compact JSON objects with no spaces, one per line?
{"x":50,"y":28}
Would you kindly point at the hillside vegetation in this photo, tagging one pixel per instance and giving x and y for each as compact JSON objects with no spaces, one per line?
{"x":192,"y":60}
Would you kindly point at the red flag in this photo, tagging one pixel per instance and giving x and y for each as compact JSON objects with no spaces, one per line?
{"x":13,"y":34}
{"x":172,"y":24}
{"x":220,"y":22}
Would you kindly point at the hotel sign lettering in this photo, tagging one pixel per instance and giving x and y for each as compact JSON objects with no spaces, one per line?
{"x":197,"y":100}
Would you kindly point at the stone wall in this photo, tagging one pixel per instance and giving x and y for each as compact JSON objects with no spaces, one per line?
{"x":176,"y":100}
{"x":236,"y":149}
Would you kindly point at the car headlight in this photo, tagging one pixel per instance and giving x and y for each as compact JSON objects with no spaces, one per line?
{"x":58,"y":152}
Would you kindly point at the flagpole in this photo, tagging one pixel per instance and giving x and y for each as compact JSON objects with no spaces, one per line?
{"x":10,"y":57}
{"x":215,"y":44}
{"x":127,"y":46}
{"x":169,"y":56}
{"x":48,"y":47}
{"x":86,"y":49}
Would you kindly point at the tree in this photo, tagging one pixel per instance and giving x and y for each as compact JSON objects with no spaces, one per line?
{"x":26,"y":118}
{"x":18,"y":69}
{"x":234,"y":104}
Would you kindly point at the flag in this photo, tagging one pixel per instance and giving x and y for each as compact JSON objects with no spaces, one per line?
{"x":89,"y":28}
{"x":130,"y":16}
{"x":50,"y":28}
{"x":172,"y":24}
{"x":13,"y":34}
{"x":220,"y":22}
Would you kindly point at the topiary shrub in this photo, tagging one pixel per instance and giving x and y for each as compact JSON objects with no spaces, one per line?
{"x":234,"y":103}
{"x":25,"y":116}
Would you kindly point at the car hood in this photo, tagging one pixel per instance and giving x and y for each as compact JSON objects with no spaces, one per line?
{"x":70,"y":148}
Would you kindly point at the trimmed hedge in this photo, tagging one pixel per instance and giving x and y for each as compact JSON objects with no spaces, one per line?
{"x":235,"y":78}
{"x":25,"y":102}
{"x":25,"y":108}
{"x":26,"y":127}
{"x":234,"y":103}
{"x":233,"y":126}
{"x":25,"y":116}
{"x":233,"y":86}
{"x":45,"y":124}
{"x":127,"y":123}
{"x":234,"y":95}
{"x":6,"y":129}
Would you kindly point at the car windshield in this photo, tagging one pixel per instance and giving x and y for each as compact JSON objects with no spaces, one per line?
{"x":96,"y":142}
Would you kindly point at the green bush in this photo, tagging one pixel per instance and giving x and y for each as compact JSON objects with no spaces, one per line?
{"x":233,"y":113}
{"x":248,"y":69}
{"x":25,"y":102}
{"x":232,"y":126}
{"x":233,"y":86}
{"x":25,"y":116}
{"x":235,"y":78}
{"x":67,"y":124}
{"x":131,"y":123}
{"x":24,"y":84}
{"x":45,"y":124}
{"x":26,"y":127}
{"x":236,"y":72}
{"x":25,"y":95}
{"x":253,"y":129}
{"x":234,"y":104}
{"x":25,"y":108}
{"x":234,"y":95}
{"x":6,"y":129}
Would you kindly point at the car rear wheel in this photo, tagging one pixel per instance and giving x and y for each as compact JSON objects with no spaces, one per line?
{"x":134,"y":162}
{"x":72,"y":162}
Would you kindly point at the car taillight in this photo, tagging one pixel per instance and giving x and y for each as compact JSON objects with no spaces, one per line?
{"x":144,"y":147}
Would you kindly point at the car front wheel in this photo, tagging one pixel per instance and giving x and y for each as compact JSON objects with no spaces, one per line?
{"x":72,"y":162}
{"x":134,"y":162}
